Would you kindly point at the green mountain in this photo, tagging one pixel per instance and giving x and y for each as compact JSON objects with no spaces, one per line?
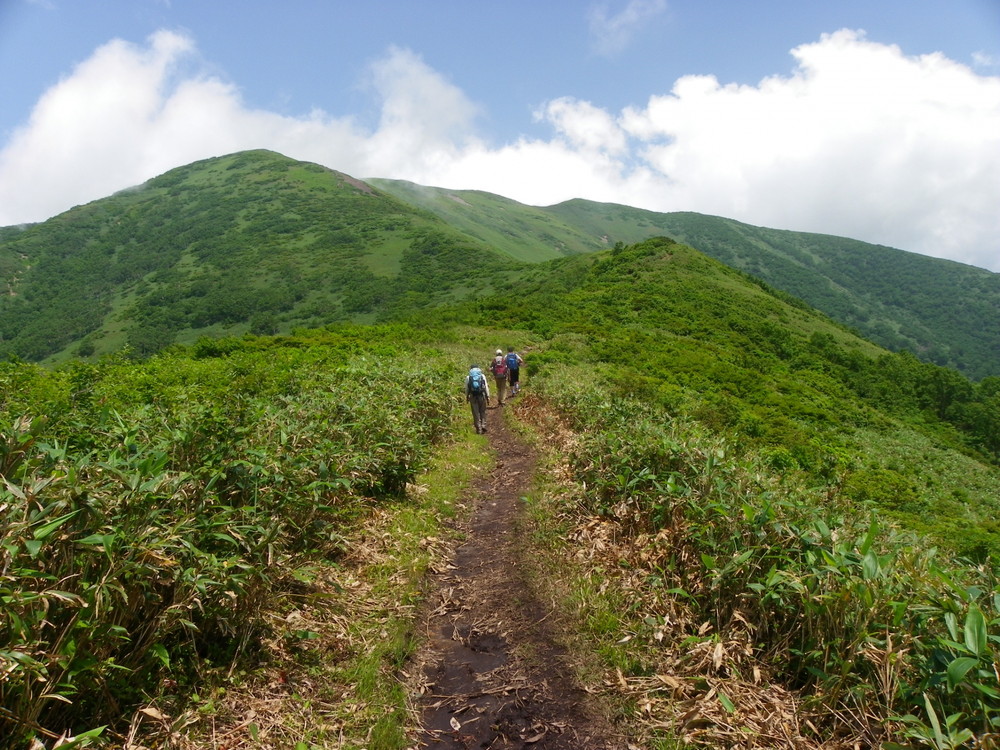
{"x":252,"y":241}
{"x":735,"y":495}
{"x":945,"y":312}
{"x":258,"y":242}
{"x":526,"y":233}
{"x":664,"y":323}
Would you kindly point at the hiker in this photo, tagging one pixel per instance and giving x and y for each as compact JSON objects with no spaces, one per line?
{"x":499,"y":369}
{"x":477,"y":393}
{"x":514,"y":362}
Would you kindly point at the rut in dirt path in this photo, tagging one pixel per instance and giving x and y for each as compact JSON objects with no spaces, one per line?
{"x":492,"y":675}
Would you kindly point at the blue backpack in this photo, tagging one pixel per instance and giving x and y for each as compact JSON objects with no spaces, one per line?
{"x":477,"y":381}
{"x":512,"y":361}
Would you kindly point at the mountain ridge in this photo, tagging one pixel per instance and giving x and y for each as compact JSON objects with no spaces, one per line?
{"x":168,"y":261}
{"x":894,"y":297}
{"x":225,"y":245}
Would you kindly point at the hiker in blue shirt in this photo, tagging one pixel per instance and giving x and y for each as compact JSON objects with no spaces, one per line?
{"x":514,"y":363}
{"x":477,"y":393}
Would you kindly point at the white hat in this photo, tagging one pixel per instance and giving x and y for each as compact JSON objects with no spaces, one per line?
{"x":499,"y":351}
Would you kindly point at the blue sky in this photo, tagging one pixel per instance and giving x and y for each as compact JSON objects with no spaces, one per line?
{"x":875,"y":119}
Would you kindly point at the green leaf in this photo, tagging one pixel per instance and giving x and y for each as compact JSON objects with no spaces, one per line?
{"x":97,"y":540}
{"x":160,"y":652}
{"x":975,"y":631}
{"x":45,"y":530}
{"x":736,"y":562}
{"x":33,"y":546}
{"x":870,"y":567}
{"x":951,"y":620}
{"x":678,"y":592}
{"x":986,"y":690}
{"x":935,"y":724}
{"x":14,"y":490}
{"x":869,"y":539}
{"x":81,"y":740}
{"x":958,"y":669}
{"x":726,"y":702}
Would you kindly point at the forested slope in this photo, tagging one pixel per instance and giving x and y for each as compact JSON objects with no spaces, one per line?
{"x":944,"y":312}
{"x":255,"y":241}
{"x":252,"y":241}
{"x":667,"y":324}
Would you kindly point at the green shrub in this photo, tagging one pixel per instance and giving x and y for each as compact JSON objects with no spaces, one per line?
{"x":148,"y":520}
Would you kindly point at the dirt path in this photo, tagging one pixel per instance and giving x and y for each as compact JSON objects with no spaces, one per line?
{"x":492,"y":674}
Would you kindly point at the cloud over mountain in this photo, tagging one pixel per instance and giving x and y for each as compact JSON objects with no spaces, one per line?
{"x":858,"y":139}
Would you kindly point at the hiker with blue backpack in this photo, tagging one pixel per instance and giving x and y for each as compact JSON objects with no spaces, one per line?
{"x":514,"y":362}
{"x":477,"y":393}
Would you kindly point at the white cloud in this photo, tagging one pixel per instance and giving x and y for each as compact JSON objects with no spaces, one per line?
{"x":985,"y":61}
{"x":587,"y":128}
{"x":126,"y":115}
{"x":612,"y":32}
{"x":860,"y":141}
{"x":426,"y":121}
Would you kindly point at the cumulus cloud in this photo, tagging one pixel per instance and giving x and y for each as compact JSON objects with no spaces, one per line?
{"x":129,"y":113}
{"x":612,"y":32}
{"x":858,"y":140}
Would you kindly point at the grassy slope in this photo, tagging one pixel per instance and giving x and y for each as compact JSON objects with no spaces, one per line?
{"x":524,"y":232}
{"x":945,"y":312}
{"x":252,"y":240}
{"x":255,"y":241}
{"x":665,"y":323}
{"x":697,"y":341}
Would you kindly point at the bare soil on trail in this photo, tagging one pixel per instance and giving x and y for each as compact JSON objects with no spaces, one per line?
{"x":491,"y":672}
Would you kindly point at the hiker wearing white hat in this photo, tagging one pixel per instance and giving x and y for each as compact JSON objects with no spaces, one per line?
{"x":499,"y":369}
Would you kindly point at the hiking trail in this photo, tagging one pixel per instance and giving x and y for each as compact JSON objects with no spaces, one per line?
{"x":490,"y":672}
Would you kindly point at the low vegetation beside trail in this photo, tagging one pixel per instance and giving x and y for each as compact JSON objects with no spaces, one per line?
{"x":743,"y":609}
{"x":770,"y":517}
{"x":154,"y":515}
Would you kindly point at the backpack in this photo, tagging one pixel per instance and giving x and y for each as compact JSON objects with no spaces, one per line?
{"x":499,"y":367}
{"x":512,"y":361}
{"x":477,"y":383}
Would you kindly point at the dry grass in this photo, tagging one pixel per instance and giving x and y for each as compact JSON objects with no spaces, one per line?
{"x":685,"y":684}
